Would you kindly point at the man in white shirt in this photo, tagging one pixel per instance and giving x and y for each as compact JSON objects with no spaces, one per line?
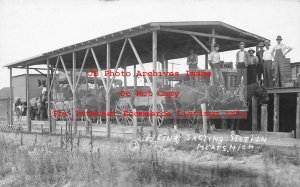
{"x":242,"y":61}
{"x":267,"y":65}
{"x":214,"y":62}
{"x":280,"y":51}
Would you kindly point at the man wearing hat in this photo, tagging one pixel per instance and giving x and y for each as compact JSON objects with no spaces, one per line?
{"x":267,"y":65}
{"x":252,"y":67}
{"x":259,"y":54}
{"x":242,"y":61}
{"x":280,"y":50}
{"x":214,"y":62}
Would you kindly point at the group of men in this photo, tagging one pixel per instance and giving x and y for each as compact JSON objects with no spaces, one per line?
{"x":250,"y":68}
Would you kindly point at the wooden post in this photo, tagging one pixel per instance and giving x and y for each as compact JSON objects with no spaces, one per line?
{"x":48,"y":97}
{"x":74,"y":93}
{"x":135,"y":78}
{"x":298,"y":117}
{"x":135,"y":125}
{"x":203,"y":110}
{"x":276,"y":113}
{"x":154,"y":97}
{"x":87,"y":128}
{"x":54,"y":121}
{"x":206,"y":61}
{"x":108,"y":90}
{"x":11,"y":120}
{"x":229,"y":81}
{"x":125,"y":77}
{"x":254,"y":114}
{"x":213,"y":39}
{"x":27,"y":100}
{"x":264,"y":118}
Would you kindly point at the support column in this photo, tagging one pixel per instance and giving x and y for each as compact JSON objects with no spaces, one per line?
{"x":254,"y":114}
{"x":264,"y":118}
{"x":154,"y":97}
{"x":135,"y":78}
{"x":108,"y":90}
{"x":213,"y":41}
{"x":27,"y":100}
{"x":125,"y":77}
{"x":206,"y":61}
{"x":298,"y":117}
{"x":276,"y":113}
{"x":74,"y":92}
{"x":48,"y":98}
{"x":11,"y":120}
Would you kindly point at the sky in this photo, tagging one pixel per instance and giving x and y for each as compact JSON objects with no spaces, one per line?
{"x":32,"y":27}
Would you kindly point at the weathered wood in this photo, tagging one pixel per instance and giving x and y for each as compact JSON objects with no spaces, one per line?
{"x":81,"y":69}
{"x":276,"y":113}
{"x":118,"y":62}
{"x":53,"y":121}
{"x":135,"y":78}
{"x":99,"y":70}
{"x":206,"y":61}
{"x":284,"y":90}
{"x":200,"y":43}
{"x":205,"y":35}
{"x":66,"y":72}
{"x":87,"y":128}
{"x":254,"y":113}
{"x":298,"y":117}
{"x":140,"y":62}
{"x":204,"y":118}
{"x":54,"y":73}
{"x":74,"y":93}
{"x":27,"y":101}
{"x":48,"y":96}
{"x":108,"y":90}
{"x":264,"y":118}
{"x":135,"y":125}
{"x":11,"y":120}
{"x":154,"y":79}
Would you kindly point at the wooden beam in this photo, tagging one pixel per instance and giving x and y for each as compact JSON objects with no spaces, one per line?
{"x":99,"y":69}
{"x":283,"y":90}
{"x":66,"y":72}
{"x":276,"y":113}
{"x":118,"y":63}
{"x":140,"y":62}
{"x":54,"y":73}
{"x":27,"y":100}
{"x":81,"y":69}
{"x":254,"y":114}
{"x":200,"y":43}
{"x":264,"y":118}
{"x":206,"y":61}
{"x":205,"y":35}
{"x":154,"y":79}
{"x":74,"y":93}
{"x":48,"y":98}
{"x":108,"y":90}
{"x":298,"y":117}
{"x":135,"y":78}
{"x":11,"y":120}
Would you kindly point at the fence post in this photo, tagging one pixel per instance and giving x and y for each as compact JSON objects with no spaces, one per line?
{"x":298,"y":117}
{"x":264,"y":118}
{"x":203,"y":109}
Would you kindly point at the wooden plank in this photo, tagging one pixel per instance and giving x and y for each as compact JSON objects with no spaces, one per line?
{"x":203,"y":109}
{"x":154,"y":78}
{"x":74,"y":93}
{"x":66,"y":72}
{"x":11,"y":121}
{"x":264,"y":118}
{"x":298,"y":117}
{"x":81,"y":69}
{"x":118,"y":62}
{"x":140,"y":62}
{"x":108,"y":90}
{"x":99,"y":70}
{"x":27,"y":100}
{"x":200,"y":43}
{"x":284,"y":90}
{"x":276,"y":113}
{"x":205,"y":34}
{"x":254,"y":113}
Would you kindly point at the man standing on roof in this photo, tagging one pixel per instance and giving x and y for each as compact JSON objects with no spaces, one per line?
{"x":252,"y":67}
{"x":280,"y":51}
{"x":267,"y":65}
{"x":214,"y":62}
{"x":242,"y":61}
{"x":259,"y":54}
